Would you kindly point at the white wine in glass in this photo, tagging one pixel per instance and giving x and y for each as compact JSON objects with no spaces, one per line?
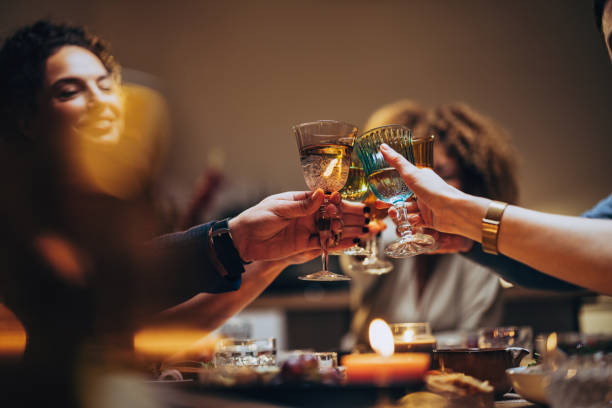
{"x":355,"y":190}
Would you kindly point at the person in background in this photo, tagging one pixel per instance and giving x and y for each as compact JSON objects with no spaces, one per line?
{"x":82,"y":266}
{"x":450,"y":292}
{"x":531,"y":248}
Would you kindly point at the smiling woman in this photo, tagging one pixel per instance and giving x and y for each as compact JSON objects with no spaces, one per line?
{"x":80,"y":97}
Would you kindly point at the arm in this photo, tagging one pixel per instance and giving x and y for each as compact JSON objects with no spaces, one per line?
{"x":208,"y":311}
{"x":267,"y":231}
{"x":576,"y":250}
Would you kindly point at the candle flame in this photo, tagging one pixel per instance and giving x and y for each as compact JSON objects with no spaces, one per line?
{"x":330,"y":167}
{"x":408,"y":336}
{"x":551,"y":342}
{"x":381,"y":338}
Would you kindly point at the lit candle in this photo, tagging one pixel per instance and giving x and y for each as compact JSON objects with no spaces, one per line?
{"x":384,"y":367}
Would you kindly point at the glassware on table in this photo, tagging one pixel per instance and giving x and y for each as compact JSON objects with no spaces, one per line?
{"x":388,"y":185}
{"x":325,"y":156}
{"x":413,"y":337}
{"x":355,"y":190}
{"x":372,"y":264}
{"x":327,"y":359}
{"x":502,"y":337}
{"x":582,"y":381}
{"x":245,"y":353}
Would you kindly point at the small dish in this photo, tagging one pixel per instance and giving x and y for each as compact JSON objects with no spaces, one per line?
{"x":485,"y":364}
{"x":530,"y":383}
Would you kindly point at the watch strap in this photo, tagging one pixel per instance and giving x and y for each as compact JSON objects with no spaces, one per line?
{"x":224,"y":252}
{"x":490,"y":226}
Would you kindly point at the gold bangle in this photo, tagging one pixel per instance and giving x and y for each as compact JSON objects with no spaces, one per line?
{"x":490,"y":226}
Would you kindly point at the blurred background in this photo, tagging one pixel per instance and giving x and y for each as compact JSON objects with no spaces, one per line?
{"x":238,"y":74}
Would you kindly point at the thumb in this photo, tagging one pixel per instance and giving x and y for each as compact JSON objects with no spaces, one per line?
{"x":300,"y":206}
{"x":407,"y":170}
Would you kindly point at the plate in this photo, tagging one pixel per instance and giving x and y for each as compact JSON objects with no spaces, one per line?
{"x":530,"y":383}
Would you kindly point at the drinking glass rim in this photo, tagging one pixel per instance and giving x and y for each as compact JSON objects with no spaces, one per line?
{"x":391,"y":125}
{"x":314,"y":122}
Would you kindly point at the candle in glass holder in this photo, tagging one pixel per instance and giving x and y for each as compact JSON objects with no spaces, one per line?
{"x":384,"y":367}
{"x":413,"y":337}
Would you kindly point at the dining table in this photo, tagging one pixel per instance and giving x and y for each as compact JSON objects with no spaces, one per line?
{"x":192,"y":397}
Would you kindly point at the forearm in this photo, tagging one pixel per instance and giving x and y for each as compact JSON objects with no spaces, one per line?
{"x":577,"y":250}
{"x":574,"y":249}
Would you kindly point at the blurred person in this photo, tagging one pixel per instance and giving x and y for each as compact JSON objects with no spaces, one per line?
{"x":530,"y":248}
{"x":81,"y":268}
{"x":450,"y":292}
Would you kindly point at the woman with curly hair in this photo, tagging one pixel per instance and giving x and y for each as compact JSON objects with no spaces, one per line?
{"x":451,"y":292}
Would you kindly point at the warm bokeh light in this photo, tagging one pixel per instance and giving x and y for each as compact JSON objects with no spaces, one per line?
{"x":126,"y":167}
{"x":12,"y":335}
{"x":174,"y":343}
{"x":408,"y":335}
{"x":551,"y":342}
{"x":381,"y":338}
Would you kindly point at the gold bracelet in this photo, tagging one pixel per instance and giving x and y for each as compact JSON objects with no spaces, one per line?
{"x":490,"y":226}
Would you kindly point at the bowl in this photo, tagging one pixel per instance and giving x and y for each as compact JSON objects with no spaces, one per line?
{"x":530,"y":383}
{"x":485,"y":364}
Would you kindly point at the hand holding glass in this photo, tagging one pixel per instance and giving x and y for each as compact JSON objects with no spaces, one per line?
{"x":388,"y":185}
{"x":325,"y":156}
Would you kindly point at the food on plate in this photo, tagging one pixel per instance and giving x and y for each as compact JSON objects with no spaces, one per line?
{"x":460,"y":390}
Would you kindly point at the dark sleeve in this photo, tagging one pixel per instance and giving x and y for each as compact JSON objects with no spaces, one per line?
{"x":603,"y":209}
{"x":523,"y":275}
{"x":518,"y":273}
{"x":188,"y":255}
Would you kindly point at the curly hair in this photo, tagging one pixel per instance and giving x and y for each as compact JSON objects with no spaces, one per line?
{"x":486,"y":160}
{"x":22,"y":68}
{"x":598,"y":10}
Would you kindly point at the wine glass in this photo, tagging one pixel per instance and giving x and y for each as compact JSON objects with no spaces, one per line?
{"x":355,"y":190}
{"x":372,"y":264}
{"x":388,"y":185}
{"x":325,"y":155}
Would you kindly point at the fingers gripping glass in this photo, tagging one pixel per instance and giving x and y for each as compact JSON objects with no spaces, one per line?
{"x":387,"y":184}
{"x":325,"y":156}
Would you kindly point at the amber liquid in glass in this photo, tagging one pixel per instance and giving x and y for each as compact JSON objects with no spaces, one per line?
{"x":423,"y":150}
{"x":356,"y":187}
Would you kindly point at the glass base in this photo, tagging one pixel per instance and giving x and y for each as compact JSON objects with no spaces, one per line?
{"x":411,"y":245}
{"x":373,"y":266}
{"x":324,"y":276}
{"x":357,"y":251}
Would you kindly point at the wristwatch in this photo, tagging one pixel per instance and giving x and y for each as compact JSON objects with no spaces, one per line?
{"x":490,"y":226}
{"x":224,"y":252}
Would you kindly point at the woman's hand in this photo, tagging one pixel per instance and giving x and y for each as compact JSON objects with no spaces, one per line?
{"x":284,"y":225}
{"x":438,"y":205}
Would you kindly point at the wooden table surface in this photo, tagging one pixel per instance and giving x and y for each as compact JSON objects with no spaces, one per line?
{"x":174,"y":397}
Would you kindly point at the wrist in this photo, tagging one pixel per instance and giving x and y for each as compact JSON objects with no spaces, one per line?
{"x":470,"y":211}
{"x":224,"y":253}
{"x":239,"y":238}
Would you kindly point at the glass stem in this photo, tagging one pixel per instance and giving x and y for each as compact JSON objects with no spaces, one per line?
{"x":374,"y":248}
{"x":370,"y":248}
{"x":404,"y":228}
{"x":324,"y":224}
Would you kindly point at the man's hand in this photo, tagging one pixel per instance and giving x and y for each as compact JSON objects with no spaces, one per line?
{"x":284,"y":225}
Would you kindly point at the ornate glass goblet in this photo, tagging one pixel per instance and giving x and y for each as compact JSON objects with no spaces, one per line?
{"x":325,"y":156}
{"x":387,"y":184}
